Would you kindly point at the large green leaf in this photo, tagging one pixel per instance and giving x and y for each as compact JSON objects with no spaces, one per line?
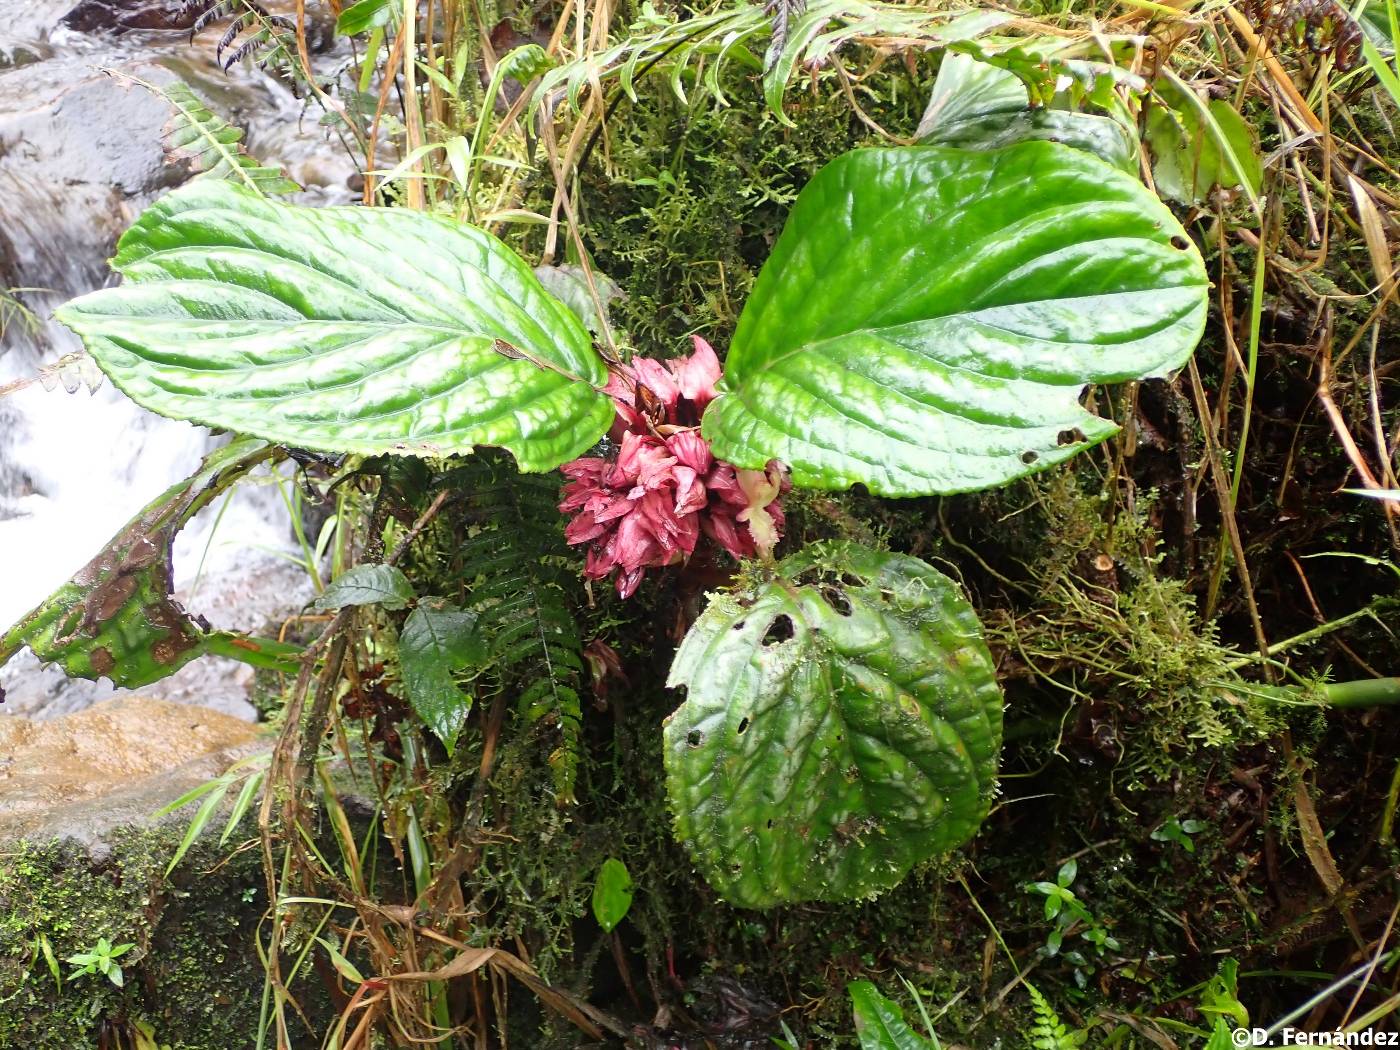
{"x":841,"y":723}
{"x":344,"y":329}
{"x":929,"y":317}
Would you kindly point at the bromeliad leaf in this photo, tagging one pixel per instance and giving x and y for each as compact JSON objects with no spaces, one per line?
{"x":439,"y":639}
{"x":342,"y":329}
{"x":929,"y":317}
{"x":842,"y":723}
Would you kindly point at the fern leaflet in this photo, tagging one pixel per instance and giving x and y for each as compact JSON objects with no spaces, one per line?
{"x":520,"y":582}
{"x":213,"y":146}
{"x":1049,"y":1032}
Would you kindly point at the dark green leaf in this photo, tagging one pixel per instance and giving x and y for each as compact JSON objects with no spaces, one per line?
{"x":841,"y":724}
{"x":439,"y":639}
{"x":880,"y":1023}
{"x":362,"y":16}
{"x":381,"y":585}
{"x":929,"y":317}
{"x":612,"y":894}
{"x":116,"y":618}
{"x":364,"y":330}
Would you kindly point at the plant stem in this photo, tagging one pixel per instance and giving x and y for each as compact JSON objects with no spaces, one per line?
{"x":259,"y":652}
{"x":1368,"y":692}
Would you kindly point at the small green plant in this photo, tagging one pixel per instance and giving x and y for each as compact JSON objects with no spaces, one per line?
{"x":1072,"y":919}
{"x":100,"y":958}
{"x":1180,"y":832}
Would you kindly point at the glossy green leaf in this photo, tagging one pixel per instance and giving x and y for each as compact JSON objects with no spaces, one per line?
{"x":929,"y":317}
{"x":439,"y":639}
{"x":841,"y":724}
{"x":381,"y":585}
{"x":345,"y":329}
{"x":116,"y":618}
{"x":978,"y":106}
{"x":880,"y":1023}
{"x":361,"y":16}
{"x":612,"y":894}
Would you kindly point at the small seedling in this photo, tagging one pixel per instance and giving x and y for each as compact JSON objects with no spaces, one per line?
{"x":101,"y":958}
{"x":1071,"y":918}
{"x":1179,"y":831}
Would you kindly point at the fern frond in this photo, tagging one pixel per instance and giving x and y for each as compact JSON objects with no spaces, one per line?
{"x":521,"y":583}
{"x":1049,"y":1032}
{"x":213,"y":146}
{"x":259,"y":33}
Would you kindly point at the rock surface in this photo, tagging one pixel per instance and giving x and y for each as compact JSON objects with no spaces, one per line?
{"x":83,"y":776}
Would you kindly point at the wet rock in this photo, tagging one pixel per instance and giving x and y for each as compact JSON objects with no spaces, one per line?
{"x":120,"y":16}
{"x":84,"y":777}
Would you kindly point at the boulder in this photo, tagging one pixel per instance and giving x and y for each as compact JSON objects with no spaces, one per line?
{"x":81,"y":777}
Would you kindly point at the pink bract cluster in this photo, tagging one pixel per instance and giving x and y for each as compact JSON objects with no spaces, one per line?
{"x":649,"y":507}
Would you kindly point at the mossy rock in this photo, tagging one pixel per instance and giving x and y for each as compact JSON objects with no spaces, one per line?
{"x":193,"y":973}
{"x":82,"y":858}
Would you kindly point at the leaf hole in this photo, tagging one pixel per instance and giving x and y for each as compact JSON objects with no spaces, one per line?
{"x":695,"y":738}
{"x":770,"y":825}
{"x":740,"y":625}
{"x":836,"y":598}
{"x":1029,"y":456}
{"x":1070,"y":437}
{"x":1180,"y":243}
{"x":850,"y":579}
{"x":743,"y":726}
{"x":780,"y":630}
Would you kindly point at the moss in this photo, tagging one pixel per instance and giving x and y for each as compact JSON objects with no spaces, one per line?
{"x":193,"y":974}
{"x":682,"y":203}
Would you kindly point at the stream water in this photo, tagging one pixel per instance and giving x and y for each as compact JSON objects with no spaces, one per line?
{"x":80,"y":156}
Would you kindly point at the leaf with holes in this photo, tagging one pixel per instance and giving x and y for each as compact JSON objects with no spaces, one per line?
{"x":362,"y":330}
{"x":841,"y":724}
{"x":439,"y":639}
{"x":929,"y":317}
{"x":116,"y":618}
